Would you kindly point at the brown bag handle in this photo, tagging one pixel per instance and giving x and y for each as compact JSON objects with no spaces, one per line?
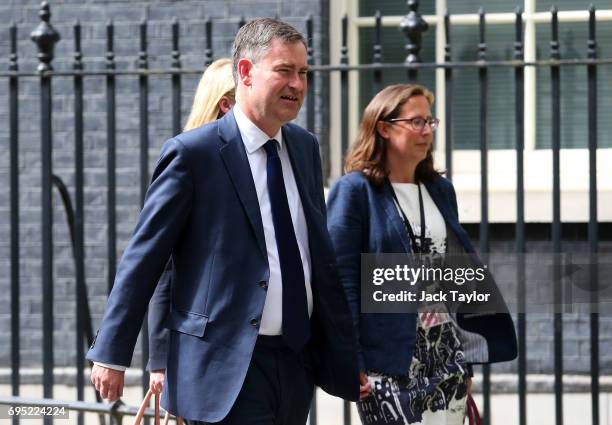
{"x":472,"y":411}
{"x":179,"y":420}
{"x":143,"y":407}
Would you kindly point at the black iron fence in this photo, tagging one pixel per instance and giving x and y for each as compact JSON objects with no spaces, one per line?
{"x":413,"y":27}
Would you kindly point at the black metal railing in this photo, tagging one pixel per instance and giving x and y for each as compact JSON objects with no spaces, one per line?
{"x":413,"y":27}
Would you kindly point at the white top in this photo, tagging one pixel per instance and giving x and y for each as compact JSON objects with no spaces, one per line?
{"x":435,"y":227}
{"x":435,"y":232}
{"x":254,"y":139}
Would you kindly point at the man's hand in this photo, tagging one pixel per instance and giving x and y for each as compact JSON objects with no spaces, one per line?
{"x":156,"y":380}
{"x":108,"y":382}
{"x":364,"y":386}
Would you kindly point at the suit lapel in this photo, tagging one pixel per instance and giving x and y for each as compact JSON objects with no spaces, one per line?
{"x":386,"y":200}
{"x":235,"y":159}
{"x":320,"y":246}
{"x":441,"y":202}
{"x":295,"y":153}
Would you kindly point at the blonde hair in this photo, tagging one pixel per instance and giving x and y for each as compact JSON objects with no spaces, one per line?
{"x":369,"y":152}
{"x":216,"y":82}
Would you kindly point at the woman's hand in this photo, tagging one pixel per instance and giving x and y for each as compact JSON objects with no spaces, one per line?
{"x":156,"y":380}
{"x":469,"y":385}
{"x":364,"y":386}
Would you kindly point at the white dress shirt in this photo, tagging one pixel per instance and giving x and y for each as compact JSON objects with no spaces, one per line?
{"x":254,"y":139}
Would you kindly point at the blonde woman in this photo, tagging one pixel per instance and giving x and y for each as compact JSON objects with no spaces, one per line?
{"x":214,"y":97}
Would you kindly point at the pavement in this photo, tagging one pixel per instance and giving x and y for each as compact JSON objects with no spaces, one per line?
{"x":504,"y":407}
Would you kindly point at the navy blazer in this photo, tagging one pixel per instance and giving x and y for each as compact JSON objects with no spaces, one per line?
{"x":202,"y":210}
{"x":159,"y":309}
{"x":364,"y":219}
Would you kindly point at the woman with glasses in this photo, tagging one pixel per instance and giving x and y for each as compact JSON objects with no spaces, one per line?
{"x":415,"y":367}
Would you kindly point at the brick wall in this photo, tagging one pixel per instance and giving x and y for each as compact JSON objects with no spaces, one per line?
{"x":93,"y":16}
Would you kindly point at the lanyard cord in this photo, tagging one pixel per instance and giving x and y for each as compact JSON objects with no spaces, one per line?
{"x":415,"y":247}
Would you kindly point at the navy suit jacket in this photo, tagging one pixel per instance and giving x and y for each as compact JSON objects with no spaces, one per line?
{"x":159,"y":307}
{"x":364,"y":219}
{"x":202,"y":210}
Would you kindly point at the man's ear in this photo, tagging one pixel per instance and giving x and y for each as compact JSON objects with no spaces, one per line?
{"x":244,"y":71}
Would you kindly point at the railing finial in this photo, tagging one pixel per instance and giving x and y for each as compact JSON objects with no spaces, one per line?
{"x":45,"y":37}
{"x":413,"y":26}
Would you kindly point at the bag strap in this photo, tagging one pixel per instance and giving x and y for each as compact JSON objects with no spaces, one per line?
{"x":468,"y":412}
{"x":157,"y":417}
{"x":472,"y":411}
{"x":179,"y":420}
{"x":143,"y":407}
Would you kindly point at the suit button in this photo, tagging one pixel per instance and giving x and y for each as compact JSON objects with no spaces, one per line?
{"x":254,"y":322}
{"x":263,"y":284}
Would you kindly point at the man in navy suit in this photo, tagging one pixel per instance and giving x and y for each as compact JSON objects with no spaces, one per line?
{"x":258,"y":316}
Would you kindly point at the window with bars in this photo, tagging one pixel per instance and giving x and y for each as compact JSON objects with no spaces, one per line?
{"x":499,"y":42}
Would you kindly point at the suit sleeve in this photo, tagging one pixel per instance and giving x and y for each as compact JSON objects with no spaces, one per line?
{"x":165,"y":211}
{"x":347,"y":226}
{"x":318,"y":174}
{"x":159,"y":307}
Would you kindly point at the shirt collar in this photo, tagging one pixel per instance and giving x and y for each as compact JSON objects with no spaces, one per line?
{"x":252,"y":136}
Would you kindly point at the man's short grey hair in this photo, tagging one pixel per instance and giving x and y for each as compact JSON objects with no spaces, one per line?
{"x":254,"y":38}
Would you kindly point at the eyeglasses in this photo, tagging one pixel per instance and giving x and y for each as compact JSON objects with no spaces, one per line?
{"x":417,"y":124}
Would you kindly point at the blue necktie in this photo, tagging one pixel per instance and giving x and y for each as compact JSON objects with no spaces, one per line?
{"x":296,"y":325}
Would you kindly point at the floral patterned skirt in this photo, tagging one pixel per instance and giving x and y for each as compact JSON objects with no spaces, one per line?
{"x":433,"y":392}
